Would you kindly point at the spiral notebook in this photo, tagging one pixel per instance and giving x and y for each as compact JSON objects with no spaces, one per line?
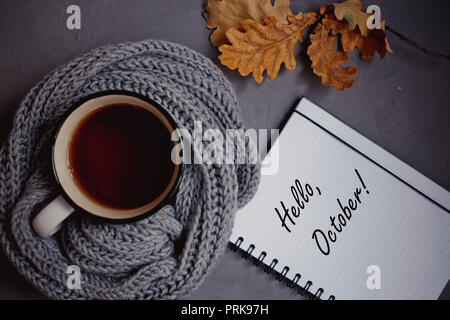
{"x":345,"y":219}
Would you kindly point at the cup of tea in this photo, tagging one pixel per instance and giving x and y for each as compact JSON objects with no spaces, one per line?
{"x":113,"y":157}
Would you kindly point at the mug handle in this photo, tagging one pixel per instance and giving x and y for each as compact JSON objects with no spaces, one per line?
{"x":49,"y":220}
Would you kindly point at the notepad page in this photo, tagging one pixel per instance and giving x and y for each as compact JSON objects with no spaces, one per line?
{"x":359,"y":224}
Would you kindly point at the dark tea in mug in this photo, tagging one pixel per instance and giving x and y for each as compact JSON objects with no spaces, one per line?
{"x":120,"y":156}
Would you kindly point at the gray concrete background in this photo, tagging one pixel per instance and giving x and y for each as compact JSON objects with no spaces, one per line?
{"x":413,"y":124}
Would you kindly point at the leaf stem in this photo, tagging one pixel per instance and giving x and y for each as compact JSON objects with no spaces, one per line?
{"x":416,"y":45}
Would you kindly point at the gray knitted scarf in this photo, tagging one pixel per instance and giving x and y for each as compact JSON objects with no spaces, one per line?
{"x":128,"y":261}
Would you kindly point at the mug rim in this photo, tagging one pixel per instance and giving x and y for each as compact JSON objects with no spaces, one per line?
{"x":79,"y":210}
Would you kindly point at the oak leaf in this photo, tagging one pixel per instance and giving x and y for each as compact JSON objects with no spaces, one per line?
{"x":388,"y":46}
{"x":351,"y":11}
{"x":374,"y":42}
{"x":222,"y":15}
{"x":264,"y":47}
{"x":326,"y":62}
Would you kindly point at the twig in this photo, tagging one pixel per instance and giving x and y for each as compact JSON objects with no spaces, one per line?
{"x":418,"y":46}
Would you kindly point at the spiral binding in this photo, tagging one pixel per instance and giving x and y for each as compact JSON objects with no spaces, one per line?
{"x":269,"y":268}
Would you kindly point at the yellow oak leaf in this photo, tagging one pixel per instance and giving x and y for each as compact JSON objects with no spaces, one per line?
{"x":351,"y":11}
{"x":264,"y":46}
{"x":222,"y":15}
{"x":326,"y":62}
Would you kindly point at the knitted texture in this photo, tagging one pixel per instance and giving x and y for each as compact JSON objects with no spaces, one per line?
{"x":164,"y":256}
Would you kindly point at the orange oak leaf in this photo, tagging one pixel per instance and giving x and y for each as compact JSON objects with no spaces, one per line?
{"x":221,"y":15}
{"x":264,"y":47}
{"x":349,"y":38}
{"x":351,"y":11}
{"x":374,"y":42}
{"x":326,"y":62}
{"x":388,"y":46}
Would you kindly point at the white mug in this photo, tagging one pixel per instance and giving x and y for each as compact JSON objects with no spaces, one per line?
{"x":72,"y":197}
